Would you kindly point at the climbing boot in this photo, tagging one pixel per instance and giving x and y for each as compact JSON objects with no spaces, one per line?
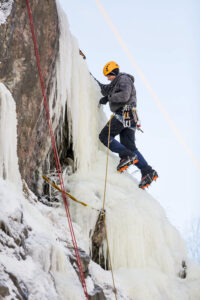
{"x":126,"y":162}
{"x":147,"y":179}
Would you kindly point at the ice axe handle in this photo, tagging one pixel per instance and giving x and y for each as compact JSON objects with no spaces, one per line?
{"x":82,"y":54}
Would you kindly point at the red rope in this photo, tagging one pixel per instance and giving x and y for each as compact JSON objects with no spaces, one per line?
{"x":58,"y":166}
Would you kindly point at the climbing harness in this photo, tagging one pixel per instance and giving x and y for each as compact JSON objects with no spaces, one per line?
{"x":69,"y":195}
{"x":129,"y":117}
{"x":55,"y":150}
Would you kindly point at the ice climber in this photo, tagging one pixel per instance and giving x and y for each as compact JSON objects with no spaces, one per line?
{"x":121,"y":95}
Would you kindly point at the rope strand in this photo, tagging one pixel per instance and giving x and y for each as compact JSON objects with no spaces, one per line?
{"x":104,"y":201}
{"x":58,"y":166}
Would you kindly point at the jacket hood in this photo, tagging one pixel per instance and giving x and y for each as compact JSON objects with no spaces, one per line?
{"x":130,"y":76}
{"x":118,"y":76}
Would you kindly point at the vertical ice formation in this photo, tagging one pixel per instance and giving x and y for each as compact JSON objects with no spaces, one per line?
{"x":9,"y":169}
{"x":5,"y":9}
{"x":75,"y":85}
{"x":141,"y":238}
{"x":139,"y":232}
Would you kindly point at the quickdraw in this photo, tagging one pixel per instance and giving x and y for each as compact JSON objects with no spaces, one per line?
{"x":129,"y":116}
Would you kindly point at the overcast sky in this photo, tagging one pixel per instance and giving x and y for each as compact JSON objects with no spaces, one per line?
{"x":164,"y":39}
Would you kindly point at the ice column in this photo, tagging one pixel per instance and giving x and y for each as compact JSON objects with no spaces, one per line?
{"x":9,"y":169}
{"x":75,"y":84}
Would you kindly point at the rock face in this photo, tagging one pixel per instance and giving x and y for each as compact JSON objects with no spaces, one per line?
{"x":18,"y":71}
{"x":25,"y":247}
{"x":13,"y":235}
{"x":97,"y":240}
{"x":37,"y":258}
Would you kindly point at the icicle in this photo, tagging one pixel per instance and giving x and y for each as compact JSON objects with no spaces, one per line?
{"x":9,"y":169}
{"x":75,"y":87}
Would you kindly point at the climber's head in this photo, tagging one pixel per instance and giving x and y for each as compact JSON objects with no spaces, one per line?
{"x":111,"y":70}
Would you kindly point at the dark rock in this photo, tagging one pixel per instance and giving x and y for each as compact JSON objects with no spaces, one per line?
{"x":183,"y":272}
{"x":4,"y":227}
{"x":26,"y":232}
{"x":4,"y":290}
{"x":85,"y":260}
{"x":13,"y":235}
{"x":6,"y":241}
{"x":22,"y":291}
{"x":97,"y":294}
{"x":18,"y":71}
{"x":97,"y":241}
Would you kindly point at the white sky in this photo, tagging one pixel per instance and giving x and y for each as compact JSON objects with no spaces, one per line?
{"x":164,"y":39}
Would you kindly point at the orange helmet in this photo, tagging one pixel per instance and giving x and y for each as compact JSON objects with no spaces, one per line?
{"x":109,"y":67}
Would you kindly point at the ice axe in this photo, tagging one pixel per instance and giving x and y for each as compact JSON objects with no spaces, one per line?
{"x":55,"y":186}
{"x":82,"y":54}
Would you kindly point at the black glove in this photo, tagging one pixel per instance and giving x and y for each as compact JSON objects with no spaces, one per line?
{"x":103,"y":100}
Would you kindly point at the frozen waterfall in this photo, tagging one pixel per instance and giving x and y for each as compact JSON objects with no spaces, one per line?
{"x":142,"y":241}
{"x":146,"y":250}
{"x":9,"y":169}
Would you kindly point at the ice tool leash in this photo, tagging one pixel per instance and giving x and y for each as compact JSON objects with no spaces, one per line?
{"x":58,"y":166}
{"x":129,"y":117}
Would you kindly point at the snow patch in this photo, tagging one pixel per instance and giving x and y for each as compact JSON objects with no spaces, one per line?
{"x":45,"y":269}
{"x":5,"y":9}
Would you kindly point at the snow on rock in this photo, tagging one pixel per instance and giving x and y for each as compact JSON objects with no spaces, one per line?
{"x":5,"y":9}
{"x":8,"y":138}
{"x":37,"y":259}
{"x":34,"y":264}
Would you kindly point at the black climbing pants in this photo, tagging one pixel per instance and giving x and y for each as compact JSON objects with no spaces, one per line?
{"x":126,"y":146}
{"x":127,"y":138}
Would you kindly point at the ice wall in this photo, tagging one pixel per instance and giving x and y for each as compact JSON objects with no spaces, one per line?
{"x":142,"y":241}
{"x":75,"y":84}
{"x":9,"y":169}
{"x":140,"y":234}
